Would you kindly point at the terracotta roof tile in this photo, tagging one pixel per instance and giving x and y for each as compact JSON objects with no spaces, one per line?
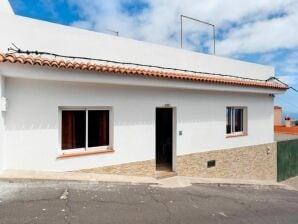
{"x":124,"y":70}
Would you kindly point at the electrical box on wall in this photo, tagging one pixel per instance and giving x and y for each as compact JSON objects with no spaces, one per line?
{"x":3,"y":104}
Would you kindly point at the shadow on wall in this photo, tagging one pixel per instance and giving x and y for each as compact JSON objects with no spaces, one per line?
{"x":33,"y":104}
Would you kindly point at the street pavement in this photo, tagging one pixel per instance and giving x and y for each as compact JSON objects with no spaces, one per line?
{"x":97,"y":202}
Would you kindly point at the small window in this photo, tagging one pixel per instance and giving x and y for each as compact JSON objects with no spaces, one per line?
{"x":236,"y":120}
{"x":83,"y":129}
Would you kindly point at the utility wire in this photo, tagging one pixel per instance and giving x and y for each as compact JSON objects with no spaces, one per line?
{"x":16,"y":49}
{"x":291,"y":87}
{"x":290,"y":104}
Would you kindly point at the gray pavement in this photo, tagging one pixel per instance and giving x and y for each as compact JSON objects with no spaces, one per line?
{"x":77,"y":202}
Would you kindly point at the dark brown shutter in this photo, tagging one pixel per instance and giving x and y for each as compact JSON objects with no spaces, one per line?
{"x":73,"y":129}
{"x":98,"y":128}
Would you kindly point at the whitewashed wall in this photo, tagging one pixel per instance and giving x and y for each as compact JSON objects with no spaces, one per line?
{"x":38,"y":35}
{"x":34,"y":95}
{"x":32,"y":121}
{"x":2,"y":114}
{"x":5,"y":7}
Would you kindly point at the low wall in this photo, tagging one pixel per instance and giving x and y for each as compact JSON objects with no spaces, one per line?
{"x":253,"y":162}
{"x":256,"y":162}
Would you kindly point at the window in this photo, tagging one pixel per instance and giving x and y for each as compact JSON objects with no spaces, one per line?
{"x":98,"y":128}
{"x":85,"y":128}
{"x":236,"y":120}
{"x":73,"y":129}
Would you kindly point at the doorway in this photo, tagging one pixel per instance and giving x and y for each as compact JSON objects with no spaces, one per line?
{"x":164,"y":139}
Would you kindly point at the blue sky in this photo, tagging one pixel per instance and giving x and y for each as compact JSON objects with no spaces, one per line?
{"x":261,"y":31}
{"x":61,"y":12}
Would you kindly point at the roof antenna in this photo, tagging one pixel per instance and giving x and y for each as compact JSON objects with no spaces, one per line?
{"x":200,"y":21}
{"x":14,"y":49}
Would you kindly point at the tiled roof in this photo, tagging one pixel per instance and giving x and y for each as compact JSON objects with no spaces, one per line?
{"x":125,"y":70}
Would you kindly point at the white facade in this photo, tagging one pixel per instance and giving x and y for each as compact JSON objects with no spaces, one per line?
{"x":5,"y":7}
{"x":2,"y":127}
{"x":43,"y":36}
{"x":32,"y":122}
{"x":30,"y":128}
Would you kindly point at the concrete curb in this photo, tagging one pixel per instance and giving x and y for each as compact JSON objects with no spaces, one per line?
{"x":152,"y":184}
{"x":27,"y":180}
{"x":16,"y":176}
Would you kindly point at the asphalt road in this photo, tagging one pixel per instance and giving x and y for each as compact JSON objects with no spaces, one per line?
{"x":82,"y":203}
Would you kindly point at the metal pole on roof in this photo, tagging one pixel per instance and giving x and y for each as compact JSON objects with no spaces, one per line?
{"x":196,"y":20}
{"x":181,"y":34}
{"x":213,"y":39}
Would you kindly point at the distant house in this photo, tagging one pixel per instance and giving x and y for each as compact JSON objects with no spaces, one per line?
{"x":277,"y":116}
{"x":70,"y":114}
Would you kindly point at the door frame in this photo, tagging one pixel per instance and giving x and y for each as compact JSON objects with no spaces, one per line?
{"x":174,"y":135}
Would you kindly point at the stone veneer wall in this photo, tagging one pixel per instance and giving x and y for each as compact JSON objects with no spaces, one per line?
{"x":250,"y":163}
{"x":142,"y":168}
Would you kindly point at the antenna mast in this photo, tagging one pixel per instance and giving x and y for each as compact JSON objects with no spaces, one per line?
{"x":196,"y":20}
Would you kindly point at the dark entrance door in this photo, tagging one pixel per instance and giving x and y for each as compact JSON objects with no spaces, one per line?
{"x":164,"y":138}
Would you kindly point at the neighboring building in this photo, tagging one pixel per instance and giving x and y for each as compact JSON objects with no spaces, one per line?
{"x":80,"y":114}
{"x":277,"y":116}
{"x":292,"y":130}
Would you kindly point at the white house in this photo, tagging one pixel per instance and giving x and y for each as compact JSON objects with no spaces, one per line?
{"x":61,"y":114}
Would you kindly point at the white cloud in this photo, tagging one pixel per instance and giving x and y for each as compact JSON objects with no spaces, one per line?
{"x":286,"y":62}
{"x":290,"y":66}
{"x":159,"y":23}
{"x":263,"y":36}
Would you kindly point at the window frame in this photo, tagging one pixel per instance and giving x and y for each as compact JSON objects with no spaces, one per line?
{"x":86,"y":109}
{"x":244,"y":121}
